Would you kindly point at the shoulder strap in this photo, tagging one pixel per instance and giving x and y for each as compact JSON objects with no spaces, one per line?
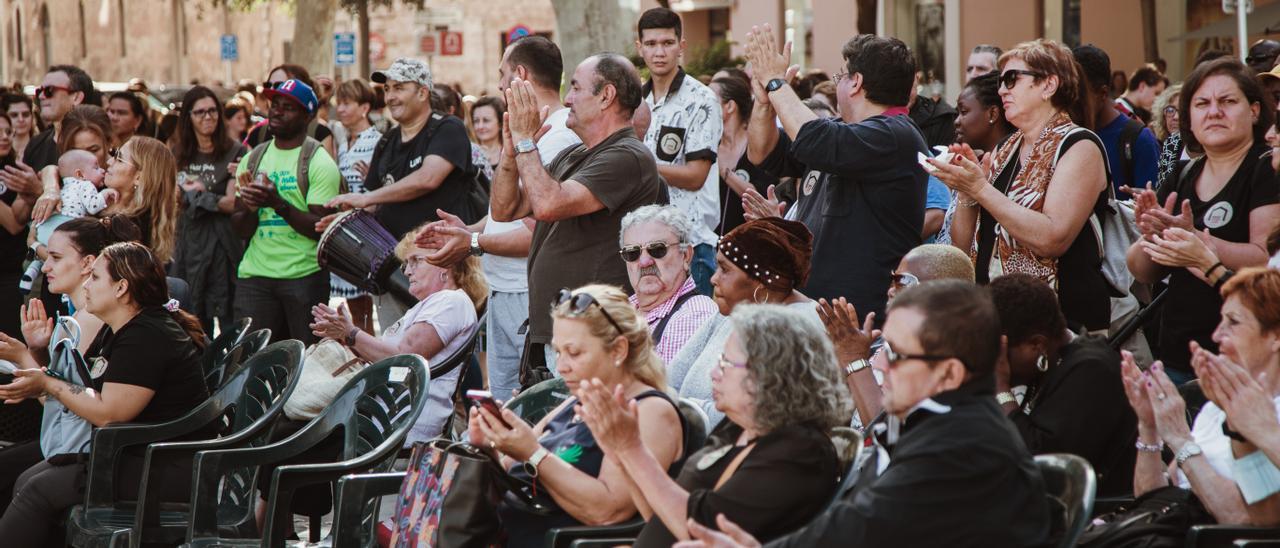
{"x":309,"y":147}
{"x":255,"y":157}
{"x":662,"y":325}
{"x":1128,"y":137}
{"x":733,"y":465}
{"x":1186,"y":171}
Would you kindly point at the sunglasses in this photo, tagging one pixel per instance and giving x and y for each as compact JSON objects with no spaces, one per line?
{"x":657,"y":250}
{"x":1009,"y":78}
{"x":117,"y":154}
{"x":48,"y":91}
{"x":903,"y":279}
{"x":893,"y":356}
{"x":580,"y":302}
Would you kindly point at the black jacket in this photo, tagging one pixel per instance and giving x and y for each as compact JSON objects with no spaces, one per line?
{"x":936,"y":120}
{"x":958,"y":475}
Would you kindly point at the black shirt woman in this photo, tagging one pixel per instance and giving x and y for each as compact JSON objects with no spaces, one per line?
{"x":737,"y":174}
{"x":1075,"y":400}
{"x":1228,"y":199}
{"x":599,"y":337}
{"x":771,"y":466}
{"x":148,"y":367}
{"x":13,"y":237}
{"x":208,"y":250}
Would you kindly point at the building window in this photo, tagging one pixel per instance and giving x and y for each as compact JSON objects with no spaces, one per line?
{"x":17,"y":30}
{"x":1071,"y":23}
{"x":717,"y":25}
{"x":120,"y":25}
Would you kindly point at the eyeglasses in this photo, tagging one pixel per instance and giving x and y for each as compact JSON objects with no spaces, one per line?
{"x":1170,"y":109}
{"x":413,"y":263}
{"x":48,"y":91}
{"x":902,"y":280}
{"x":657,"y":250}
{"x":893,"y":357}
{"x":724,"y":363}
{"x":204,"y":113}
{"x":580,"y":302}
{"x":840,"y":76}
{"x":1009,"y":78}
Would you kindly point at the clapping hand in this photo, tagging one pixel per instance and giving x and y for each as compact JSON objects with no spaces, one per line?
{"x":841,"y":320}
{"x":524,"y":119}
{"x":1168,"y":408}
{"x":755,"y":206}
{"x":1178,"y":247}
{"x":1250,"y":411}
{"x":767,"y":63}
{"x":37,"y":327}
{"x":27,"y":384}
{"x":449,"y":237}
{"x":611,"y":416}
{"x":963,"y":173}
{"x":1135,"y":389}
{"x":12,"y":349}
{"x":331,"y":323}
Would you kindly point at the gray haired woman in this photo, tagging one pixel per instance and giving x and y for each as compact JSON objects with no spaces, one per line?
{"x":771,"y":466}
{"x":665,"y":293}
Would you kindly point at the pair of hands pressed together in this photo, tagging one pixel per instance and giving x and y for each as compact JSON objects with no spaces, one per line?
{"x":258,"y":194}
{"x":1250,"y":409}
{"x":1170,"y":238}
{"x":1156,"y":402}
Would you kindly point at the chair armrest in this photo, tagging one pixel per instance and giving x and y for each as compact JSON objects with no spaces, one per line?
{"x":602,"y":542}
{"x":564,"y":537}
{"x":354,"y":491}
{"x":1223,"y":535}
{"x":290,"y":478}
{"x":109,"y":441}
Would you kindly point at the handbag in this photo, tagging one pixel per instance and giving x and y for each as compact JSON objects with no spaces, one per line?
{"x":1157,"y":519}
{"x":63,"y":432}
{"x":326,"y":368}
{"x":450,"y":497}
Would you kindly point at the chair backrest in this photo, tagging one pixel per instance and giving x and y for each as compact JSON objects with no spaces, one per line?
{"x":249,"y":345}
{"x":696,"y":426}
{"x":461,"y":355}
{"x":535,"y":402}
{"x":1070,"y":486}
{"x":214,"y":359}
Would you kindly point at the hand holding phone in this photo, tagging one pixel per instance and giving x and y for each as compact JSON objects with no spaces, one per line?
{"x":483,"y":398}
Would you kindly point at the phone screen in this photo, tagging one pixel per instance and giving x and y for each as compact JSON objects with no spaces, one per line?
{"x":483,"y":398}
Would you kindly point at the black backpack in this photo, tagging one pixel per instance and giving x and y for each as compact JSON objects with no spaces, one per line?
{"x":1128,"y":137}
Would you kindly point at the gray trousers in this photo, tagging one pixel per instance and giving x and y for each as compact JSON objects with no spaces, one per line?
{"x":504,"y":342}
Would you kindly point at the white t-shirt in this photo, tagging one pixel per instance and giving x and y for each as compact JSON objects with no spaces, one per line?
{"x":453,"y":315}
{"x":1206,"y":431}
{"x":686,"y":125}
{"x":81,"y":198}
{"x":511,"y":274}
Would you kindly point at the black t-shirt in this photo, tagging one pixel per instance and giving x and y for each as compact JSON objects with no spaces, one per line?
{"x":41,"y":151}
{"x":1083,"y":292}
{"x":152,"y":351}
{"x":861,"y":193}
{"x":12,"y":246}
{"x":393,"y":160}
{"x":1193,"y":309}
{"x":731,"y":213}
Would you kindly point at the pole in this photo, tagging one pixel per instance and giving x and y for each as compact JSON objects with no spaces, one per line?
{"x":1242,"y":28}
{"x":226,"y":75}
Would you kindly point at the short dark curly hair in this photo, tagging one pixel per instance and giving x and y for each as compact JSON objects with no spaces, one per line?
{"x":1027,"y":307}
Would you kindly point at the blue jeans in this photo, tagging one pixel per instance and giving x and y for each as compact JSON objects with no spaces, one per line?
{"x":704,"y":265}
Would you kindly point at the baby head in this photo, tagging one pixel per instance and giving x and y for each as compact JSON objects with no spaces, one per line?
{"x":81,"y":164}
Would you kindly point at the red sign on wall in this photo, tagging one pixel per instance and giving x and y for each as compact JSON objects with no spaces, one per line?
{"x":427,"y":44}
{"x":450,"y":43}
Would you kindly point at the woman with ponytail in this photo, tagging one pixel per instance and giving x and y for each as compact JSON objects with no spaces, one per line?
{"x":147,"y":370}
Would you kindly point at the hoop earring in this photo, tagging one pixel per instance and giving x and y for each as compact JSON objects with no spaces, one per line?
{"x":755,"y":297}
{"x":1042,"y":363}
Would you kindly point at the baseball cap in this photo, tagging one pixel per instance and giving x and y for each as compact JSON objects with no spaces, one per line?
{"x":1274,"y":73}
{"x":404,"y":69}
{"x":296,"y":90}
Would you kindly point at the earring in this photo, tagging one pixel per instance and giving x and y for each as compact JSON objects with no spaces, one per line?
{"x":756,"y":298}
{"x":991,"y":122}
{"x":1042,"y":363}
{"x":617,"y":363}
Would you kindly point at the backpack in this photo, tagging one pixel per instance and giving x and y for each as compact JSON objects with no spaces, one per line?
{"x":477,"y":198}
{"x":1114,"y":229}
{"x":309,"y":148}
{"x":1128,"y":137}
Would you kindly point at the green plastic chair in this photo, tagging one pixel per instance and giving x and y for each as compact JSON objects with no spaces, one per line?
{"x":243,"y":407}
{"x":215,"y":356}
{"x":374,"y":414}
{"x":535,"y":402}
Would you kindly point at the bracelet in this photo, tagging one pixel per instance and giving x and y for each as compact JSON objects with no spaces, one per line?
{"x":1149,"y":448}
{"x":1006,"y":397}
{"x":351,"y":336}
{"x":1227,"y":273}
{"x":968,"y":203}
{"x":1215,"y":266}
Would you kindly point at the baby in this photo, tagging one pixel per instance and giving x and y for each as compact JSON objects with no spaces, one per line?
{"x":82,"y":177}
{"x":82,"y":195}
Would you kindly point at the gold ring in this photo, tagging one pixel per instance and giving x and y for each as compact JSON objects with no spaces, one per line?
{"x":493,"y":445}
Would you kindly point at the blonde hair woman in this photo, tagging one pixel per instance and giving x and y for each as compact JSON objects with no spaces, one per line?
{"x":439,"y":325}
{"x":600,"y":338}
{"x":1164,"y":115}
{"x":144,"y":172}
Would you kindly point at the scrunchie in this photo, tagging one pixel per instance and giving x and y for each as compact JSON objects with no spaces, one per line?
{"x":171,"y":305}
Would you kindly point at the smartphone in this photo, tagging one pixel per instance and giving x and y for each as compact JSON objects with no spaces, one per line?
{"x":483,"y":398}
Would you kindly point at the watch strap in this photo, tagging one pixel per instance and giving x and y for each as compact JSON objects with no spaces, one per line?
{"x":476,"y":250}
{"x":1006,"y":397}
{"x":775,"y":85}
{"x":1188,"y":450}
{"x":856,"y":366}
{"x":526,"y":145}
{"x":531,"y":465}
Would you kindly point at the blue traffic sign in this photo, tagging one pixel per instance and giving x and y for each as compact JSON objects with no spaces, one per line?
{"x":230,"y":47}
{"x":517,"y":32}
{"x":344,"y":48}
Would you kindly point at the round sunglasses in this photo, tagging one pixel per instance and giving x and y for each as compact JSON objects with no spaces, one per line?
{"x":657,"y":250}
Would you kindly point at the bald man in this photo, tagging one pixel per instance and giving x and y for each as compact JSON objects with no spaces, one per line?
{"x":1262,"y":55}
{"x":857,"y":347}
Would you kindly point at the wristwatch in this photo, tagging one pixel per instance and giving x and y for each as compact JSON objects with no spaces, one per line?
{"x":774,"y":85}
{"x":526,"y":145}
{"x":476,"y":250}
{"x":531,"y":465}
{"x":1006,"y":397}
{"x":856,"y":366}
{"x":1189,"y":449}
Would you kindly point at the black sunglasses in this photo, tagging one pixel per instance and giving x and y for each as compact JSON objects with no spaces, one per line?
{"x":893,"y":357}
{"x":657,"y":250}
{"x":1009,"y":78}
{"x":48,"y":91}
{"x":903,"y":279}
{"x":580,"y":302}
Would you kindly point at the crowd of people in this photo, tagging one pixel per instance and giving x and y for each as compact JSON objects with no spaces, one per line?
{"x":1052,"y":265}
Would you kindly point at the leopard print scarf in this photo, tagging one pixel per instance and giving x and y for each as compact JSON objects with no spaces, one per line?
{"x":1028,"y":190}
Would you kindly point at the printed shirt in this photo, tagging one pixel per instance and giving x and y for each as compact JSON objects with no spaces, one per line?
{"x":276,"y":250}
{"x":683,"y":324}
{"x":686,"y":125}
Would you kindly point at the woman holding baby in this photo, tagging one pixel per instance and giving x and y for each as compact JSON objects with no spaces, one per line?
{"x":208,"y":250}
{"x":1024,"y":207}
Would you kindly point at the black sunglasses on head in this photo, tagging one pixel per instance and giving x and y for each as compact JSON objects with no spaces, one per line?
{"x":580,"y":302}
{"x":657,"y":250}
